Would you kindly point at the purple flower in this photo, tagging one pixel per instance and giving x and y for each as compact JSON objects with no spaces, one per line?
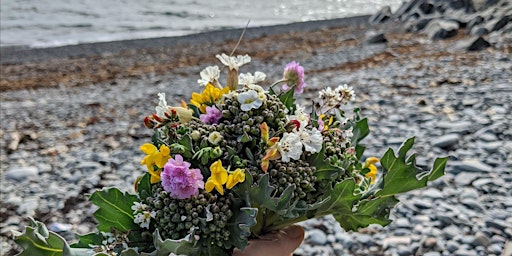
{"x":294,"y":77}
{"x":212,"y":116}
{"x":179,"y":180}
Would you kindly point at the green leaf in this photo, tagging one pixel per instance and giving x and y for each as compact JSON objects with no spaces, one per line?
{"x":262,"y":196}
{"x":360,"y":131}
{"x":88,"y":239}
{"x":324,"y":170}
{"x":374,"y":211}
{"x":243,"y":220}
{"x":36,"y":240}
{"x":165,"y":247}
{"x":114,"y":209}
{"x":401,"y":174}
{"x":288,"y":100}
{"x":144,"y":186}
{"x":438,"y":168}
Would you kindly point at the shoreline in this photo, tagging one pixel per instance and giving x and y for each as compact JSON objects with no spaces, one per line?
{"x":18,"y":55}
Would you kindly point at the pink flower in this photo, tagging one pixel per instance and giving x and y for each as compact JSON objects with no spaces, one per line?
{"x":294,"y":77}
{"x":212,"y":116}
{"x":179,"y":180}
{"x":320,"y":124}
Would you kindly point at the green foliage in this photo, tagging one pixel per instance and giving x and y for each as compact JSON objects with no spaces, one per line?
{"x":401,"y":174}
{"x":360,"y":131}
{"x":114,"y":209}
{"x":168,"y":246}
{"x":144,"y":186}
{"x":37,"y":240}
{"x":288,"y":100}
{"x":240,"y":227}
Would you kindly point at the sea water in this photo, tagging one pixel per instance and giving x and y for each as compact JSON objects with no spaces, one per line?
{"x":49,"y":23}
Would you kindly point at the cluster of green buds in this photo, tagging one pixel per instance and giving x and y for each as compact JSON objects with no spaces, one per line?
{"x":205,"y":215}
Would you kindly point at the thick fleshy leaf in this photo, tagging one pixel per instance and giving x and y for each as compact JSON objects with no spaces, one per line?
{"x":240,"y":228}
{"x":166,"y":247}
{"x":144,"y":186}
{"x":114,"y":209}
{"x":37,"y":240}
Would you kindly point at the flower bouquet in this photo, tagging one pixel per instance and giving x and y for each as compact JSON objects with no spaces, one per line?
{"x":239,"y":161}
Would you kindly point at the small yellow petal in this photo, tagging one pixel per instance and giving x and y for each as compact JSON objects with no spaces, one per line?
{"x":148,"y":148}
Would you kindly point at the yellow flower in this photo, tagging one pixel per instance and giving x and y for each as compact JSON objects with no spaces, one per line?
{"x":370,"y":164}
{"x":234,"y":178}
{"x":219,"y":177}
{"x":155,"y":157}
{"x":209,"y":96}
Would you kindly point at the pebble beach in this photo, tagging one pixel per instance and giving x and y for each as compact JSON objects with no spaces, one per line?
{"x":72,"y":120}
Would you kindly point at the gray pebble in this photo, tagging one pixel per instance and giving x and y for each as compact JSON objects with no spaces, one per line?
{"x":22,"y":173}
{"x":317,"y":237}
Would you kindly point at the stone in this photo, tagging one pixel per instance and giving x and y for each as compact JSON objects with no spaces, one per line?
{"x":472,"y":165}
{"x":381,"y":16}
{"x":441,"y":29}
{"x":478,"y":44}
{"x":446,"y":141}
{"x":394,"y":241}
{"x":22,"y":173}
{"x":433,"y":193}
{"x":376,"y":38}
{"x":317,"y":237}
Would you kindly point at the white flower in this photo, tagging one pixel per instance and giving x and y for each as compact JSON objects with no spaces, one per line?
{"x":345,"y":93}
{"x":290,"y":147}
{"x":209,"y":75}
{"x":162,"y":105}
{"x":214,"y":138}
{"x":311,"y":139}
{"x":329,"y":97}
{"x":300,"y":116}
{"x":144,"y":218}
{"x":249,"y":100}
{"x":233,"y":62}
{"x":249,"y":79}
{"x":139,"y":207}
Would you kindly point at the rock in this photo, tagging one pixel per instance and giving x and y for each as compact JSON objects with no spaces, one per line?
{"x":481,"y":239}
{"x":497,"y":24}
{"x":432,"y":193}
{"x":472,"y":165}
{"x":465,"y":179}
{"x":317,"y":237}
{"x":446,"y":141}
{"x":376,"y":38}
{"x":381,"y":16}
{"x":441,"y":29}
{"x":22,"y":173}
{"x":405,"y":8}
{"x":394,"y":241}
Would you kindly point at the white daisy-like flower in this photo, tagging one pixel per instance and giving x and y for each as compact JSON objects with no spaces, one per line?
{"x":311,"y":139}
{"x":215,"y":137}
{"x":233,"y":62}
{"x":139,"y":207}
{"x":210,"y":74}
{"x":290,"y":146}
{"x":249,"y":79}
{"x":249,"y":100}
{"x":162,"y":105}
{"x":144,"y":218}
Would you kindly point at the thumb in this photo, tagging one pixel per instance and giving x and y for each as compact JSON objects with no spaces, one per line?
{"x":280,"y":244}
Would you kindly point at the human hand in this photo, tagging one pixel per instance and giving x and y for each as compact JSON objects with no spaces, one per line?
{"x":282,"y":243}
